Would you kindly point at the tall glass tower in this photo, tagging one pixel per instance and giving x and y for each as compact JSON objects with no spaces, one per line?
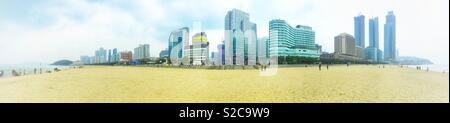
{"x":373,"y":32}
{"x":389,"y":37}
{"x":360,"y":30}
{"x":373,"y":53}
{"x":240,"y":39}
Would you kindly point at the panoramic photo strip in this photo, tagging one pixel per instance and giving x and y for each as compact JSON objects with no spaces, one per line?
{"x":224,"y":51}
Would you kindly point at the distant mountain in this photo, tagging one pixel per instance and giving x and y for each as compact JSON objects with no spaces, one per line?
{"x":411,"y":60}
{"x":62,"y":62}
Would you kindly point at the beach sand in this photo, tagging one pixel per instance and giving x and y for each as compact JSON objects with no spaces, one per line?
{"x":357,"y":83}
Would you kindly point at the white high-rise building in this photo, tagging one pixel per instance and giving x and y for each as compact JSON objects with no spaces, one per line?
{"x":142,"y":52}
{"x":240,"y":39}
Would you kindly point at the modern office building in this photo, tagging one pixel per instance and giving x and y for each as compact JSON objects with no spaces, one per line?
{"x":92,"y":60}
{"x":164,"y":54}
{"x":212,"y":58}
{"x":263,"y":50}
{"x":344,"y":44}
{"x":374,"y":55}
{"x":200,"y":51}
{"x":373,"y":32}
{"x":372,"y":52}
{"x":389,"y":38}
{"x":240,"y":39}
{"x":142,"y":52}
{"x":360,"y":30}
{"x":100,"y":56}
{"x":115,"y":55}
{"x":220,"y":57}
{"x":345,"y":48}
{"x":285,"y":40}
{"x":85,"y":59}
{"x":360,"y":53}
{"x":109,"y":56}
{"x":179,"y":46}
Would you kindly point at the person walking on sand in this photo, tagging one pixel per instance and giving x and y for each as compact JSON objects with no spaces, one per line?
{"x":327,"y":66}
{"x":320,"y":66}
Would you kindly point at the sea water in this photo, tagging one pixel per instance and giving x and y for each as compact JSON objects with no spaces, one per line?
{"x":433,"y":67}
{"x":28,"y":69}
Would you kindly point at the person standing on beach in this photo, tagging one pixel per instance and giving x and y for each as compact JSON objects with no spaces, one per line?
{"x":35,"y":70}
{"x":327,"y":66}
{"x":320,"y":66}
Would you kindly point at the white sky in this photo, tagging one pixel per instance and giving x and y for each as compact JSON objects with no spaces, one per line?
{"x":46,"y":31}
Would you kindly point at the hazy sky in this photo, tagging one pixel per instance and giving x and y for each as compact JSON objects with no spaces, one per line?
{"x":46,"y":31}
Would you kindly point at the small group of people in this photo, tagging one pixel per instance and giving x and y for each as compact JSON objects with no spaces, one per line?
{"x":320,"y":66}
{"x":420,"y":68}
{"x":263,"y":67}
{"x":15,"y":73}
{"x":24,"y":72}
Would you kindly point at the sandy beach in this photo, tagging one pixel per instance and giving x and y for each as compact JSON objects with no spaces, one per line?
{"x":357,"y":83}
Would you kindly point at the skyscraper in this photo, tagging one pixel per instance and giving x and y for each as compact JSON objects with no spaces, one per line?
{"x":200,"y":51}
{"x":220,"y":58}
{"x":373,"y":32}
{"x":212,"y":59}
{"x":179,"y":46}
{"x":109,"y":56}
{"x":100,"y":56}
{"x":360,"y":30}
{"x":289,"y":41}
{"x":373,"y":53}
{"x":389,"y":37}
{"x":263,"y":50}
{"x":240,"y":38}
{"x":142,"y":52}
{"x":115,"y":55}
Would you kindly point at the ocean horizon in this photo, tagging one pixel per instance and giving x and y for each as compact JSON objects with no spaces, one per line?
{"x":27,"y":69}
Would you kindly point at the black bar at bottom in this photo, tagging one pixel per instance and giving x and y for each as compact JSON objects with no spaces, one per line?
{"x":223,"y":111}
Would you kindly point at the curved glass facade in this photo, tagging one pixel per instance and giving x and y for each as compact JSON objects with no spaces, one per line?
{"x":178,"y":45}
{"x":286,"y":40}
